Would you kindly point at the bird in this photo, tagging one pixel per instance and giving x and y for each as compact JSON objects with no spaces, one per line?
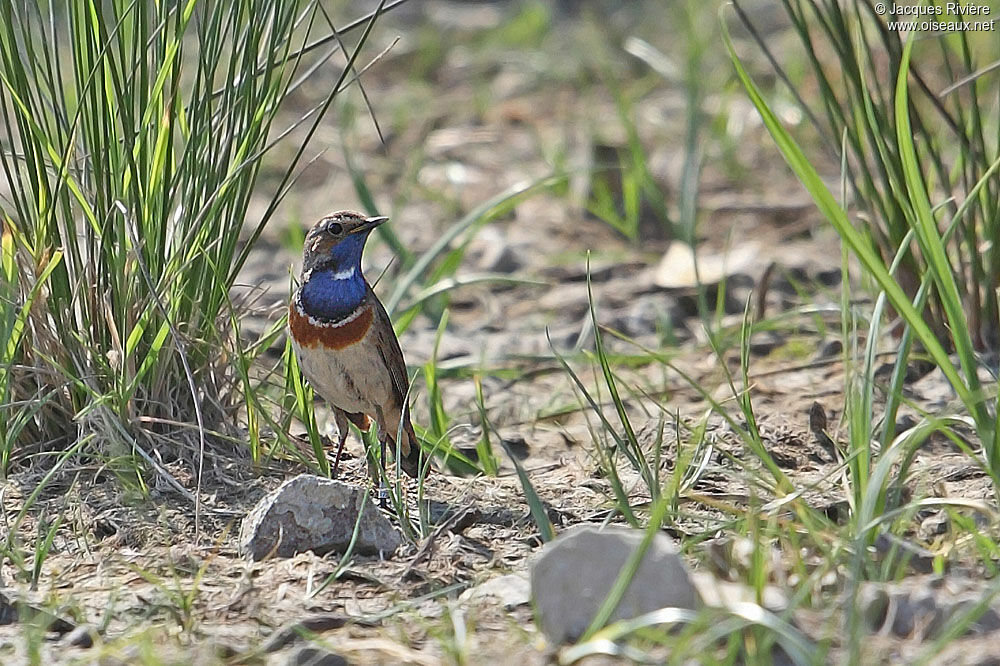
{"x":344,"y":340}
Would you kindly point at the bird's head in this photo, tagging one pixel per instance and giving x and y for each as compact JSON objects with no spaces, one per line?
{"x":337,"y":240}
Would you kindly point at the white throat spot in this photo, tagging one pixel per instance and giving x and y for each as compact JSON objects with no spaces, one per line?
{"x":345,"y":274}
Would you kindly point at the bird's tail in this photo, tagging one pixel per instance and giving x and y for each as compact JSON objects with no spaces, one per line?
{"x":409,"y":448}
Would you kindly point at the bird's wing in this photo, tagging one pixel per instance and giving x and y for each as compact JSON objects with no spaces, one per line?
{"x":392,"y":356}
{"x":388,"y":347}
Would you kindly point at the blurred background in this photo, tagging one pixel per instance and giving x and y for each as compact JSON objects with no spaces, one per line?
{"x":723,"y":272}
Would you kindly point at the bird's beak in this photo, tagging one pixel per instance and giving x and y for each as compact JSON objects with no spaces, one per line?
{"x":369,"y":224}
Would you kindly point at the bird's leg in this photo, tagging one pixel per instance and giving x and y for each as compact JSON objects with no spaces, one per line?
{"x":383,"y":488}
{"x":340,"y":449}
{"x":340,"y":417}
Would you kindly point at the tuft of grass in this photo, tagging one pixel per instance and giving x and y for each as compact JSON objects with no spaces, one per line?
{"x":905,"y":146}
{"x":966,"y":382}
{"x":856,"y":61}
{"x":134,"y":135}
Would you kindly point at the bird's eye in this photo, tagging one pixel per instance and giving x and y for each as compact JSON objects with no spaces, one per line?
{"x":335,"y":228}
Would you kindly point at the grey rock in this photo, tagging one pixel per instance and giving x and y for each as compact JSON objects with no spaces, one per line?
{"x":573,"y":575}
{"x":13,"y":611}
{"x":313,"y":513}
{"x":917,"y":611}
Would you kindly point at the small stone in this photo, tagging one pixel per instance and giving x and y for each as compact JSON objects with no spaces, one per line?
{"x":934,"y":525}
{"x":311,"y":655}
{"x":717,"y":593}
{"x":313,"y":513}
{"x":573,"y":575}
{"x":828,"y":350}
{"x":874,"y":604}
{"x":918,"y":611}
{"x":919,"y":559}
{"x":512,"y":590}
{"x":765,"y":342}
{"x":492,"y":251}
{"x":83,"y":636}
{"x":922,"y":606}
{"x":683,"y":267}
{"x":648,"y":313}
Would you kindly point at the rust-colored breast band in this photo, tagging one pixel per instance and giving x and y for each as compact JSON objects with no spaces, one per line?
{"x":360,"y":420}
{"x":330,"y":336}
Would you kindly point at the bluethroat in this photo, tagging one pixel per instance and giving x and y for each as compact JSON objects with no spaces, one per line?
{"x":344,"y":339}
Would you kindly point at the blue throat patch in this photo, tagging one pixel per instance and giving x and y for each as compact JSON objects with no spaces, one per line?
{"x":330,"y":296}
